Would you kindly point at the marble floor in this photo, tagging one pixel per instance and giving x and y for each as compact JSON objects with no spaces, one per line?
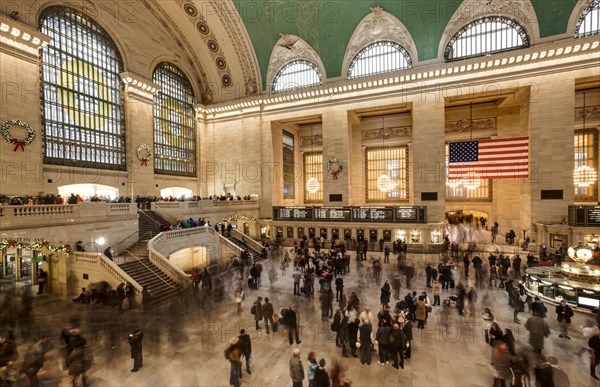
{"x":184,"y":342}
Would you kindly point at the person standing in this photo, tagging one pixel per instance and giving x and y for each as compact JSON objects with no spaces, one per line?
{"x":267,"y":311}
{"x":296,"y":369}
{"x":135,"y":342}
{"x":494,"y":232}
{"x":321,"y":375}
{"x":382,"y":338}
{"x":245,"y":345}
{"x":563,"y":315}
{"x":386,"y":254}
{"x":239,"y":297}
{"x":428,"y":275}
{"x":396,"y":286}
{"x":234,"y":356}
{"x":466,"y":263}
{"x":365,"y":338}
{"x":291,"y":323}
{"x":297,"y":275}
{"x":594,"y":344}
{"x":42,"y":277}
{"x":538,"y":329}
{"x":257,"y":311}
{"x":313,"y":364}
{"x":397,"y":344}
{"x":339,"y":287}
{"x":477,"y":265}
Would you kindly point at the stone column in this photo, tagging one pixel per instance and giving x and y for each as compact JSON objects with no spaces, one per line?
{"x":427,"y":159}
{"x":336,"y":145}
{"x":139,"y":114}
{"x":551,"y":144}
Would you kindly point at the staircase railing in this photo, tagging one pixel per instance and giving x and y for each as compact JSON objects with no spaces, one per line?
{"x":125,"y":243}
{"x":149,"y":217}
{"x":226,"y":241}
{"x":117,"y":274}
{"x":254,"y":245}
{"x":152,"y":271}
{"x":175,"y":273}
{"x":163,"y":214}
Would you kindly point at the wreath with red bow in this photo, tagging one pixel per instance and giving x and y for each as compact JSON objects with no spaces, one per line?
{"x":18,"y":143}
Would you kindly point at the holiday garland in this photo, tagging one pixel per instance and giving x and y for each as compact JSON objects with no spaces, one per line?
{"x":334,"y":167}
{"x":18,"y":143}
{"x":8,"y":243}
{"x":148,"y":156}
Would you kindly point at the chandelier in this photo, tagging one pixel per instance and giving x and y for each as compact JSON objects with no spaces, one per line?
{"x":471,"y":181}
{"x":312,"y":184}
{"x":584,"y":175}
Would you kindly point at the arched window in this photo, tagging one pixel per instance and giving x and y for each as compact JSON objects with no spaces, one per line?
{"x":379,"y":58}
{"x":82,"y":103}
{"x":487,"y":35}
{"x":589,"y":21}
{"x":174,"y":128}
{"x":295,"y":75}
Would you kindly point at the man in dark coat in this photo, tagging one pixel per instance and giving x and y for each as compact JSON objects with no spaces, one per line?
{"x":245,"y":345}
{"x":353,"y":332}
{"x":267,"y":311}
{"x":291,"y":323}
{"x":343,"y":335}
{"x":396,"y":346}
{"x":563,"y":315}
{"x":135,"y":342}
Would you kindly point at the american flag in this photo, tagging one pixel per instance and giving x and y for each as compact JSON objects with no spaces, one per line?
{"x":504,"y":158}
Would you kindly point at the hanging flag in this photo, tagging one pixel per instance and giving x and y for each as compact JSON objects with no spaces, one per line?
{"x":505,"y":158}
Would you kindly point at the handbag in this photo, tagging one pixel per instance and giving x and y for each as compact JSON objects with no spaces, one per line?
{"x":429,"y":308}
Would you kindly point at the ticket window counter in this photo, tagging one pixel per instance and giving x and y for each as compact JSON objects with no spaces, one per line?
{"x":323,"y":233}
{"x":347,"y":234}
{"x":265,"y":232}
{"x":387,"y":235}
{"x":335,"y":234}
{"x":558,"y":240}
{"x":373,"y":236}
{"x":279,"y":232}
{"x":246,"y":229}
{"x":360,"y":234}
{"x":290,"y":233}
{"x":401,"y":235}
{"x":311,"y":232}
{"x":415,"y":236}
{"x":300,"y":232}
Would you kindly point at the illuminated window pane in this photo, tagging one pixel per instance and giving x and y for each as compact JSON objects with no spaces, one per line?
{"x":589,"y":21}
{"x":313,"y":168}
{"x":586,"y":154}
{"x":487,"y":35}
{"x":296,"y":75}
{"x":379,"y":58}
{"x":393,"y":162}
{"x":174,"y":128}
{"x":458,"y":192}
{"x":289,"y":178}
{"x":81,"y":98}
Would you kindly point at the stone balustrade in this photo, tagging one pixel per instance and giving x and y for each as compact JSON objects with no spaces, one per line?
{"x":56,"y":214}
{"x":99,"y":268}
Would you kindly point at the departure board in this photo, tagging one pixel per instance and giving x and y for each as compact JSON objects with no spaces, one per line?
{"x":332,"y":213}
{"x":374,"y":214}
{"x":292,"y":213}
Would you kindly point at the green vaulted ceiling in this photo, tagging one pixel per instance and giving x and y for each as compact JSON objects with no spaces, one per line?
{"x":327,"y":25}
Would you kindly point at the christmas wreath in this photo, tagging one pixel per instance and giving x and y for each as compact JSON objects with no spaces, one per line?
{"x":18,"y":143}
{"x":334,"y":167}
{"x":144,"y":158}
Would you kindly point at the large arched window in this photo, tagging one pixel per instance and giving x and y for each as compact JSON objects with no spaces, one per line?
{"x":295,"y":75}
{"x":589,"y":21}
{"x":82,"y":103}
{"x":379,"y":58}
{"x":174,"y":129}
{"x":487,"y":35}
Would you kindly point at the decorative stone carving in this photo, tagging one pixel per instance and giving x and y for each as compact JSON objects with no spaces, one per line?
{"x":167,"y":22}
{"x":378,"y":26}
{"x":289,"y":48}
{"x":317,"y":139}
{"x":465,"y":125}
{"x":590,"y":112}
{"x":386,"y":133}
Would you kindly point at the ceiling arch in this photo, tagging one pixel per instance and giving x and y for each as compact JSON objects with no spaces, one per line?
{"x":377,"y":26}
{"x":289,"y":48}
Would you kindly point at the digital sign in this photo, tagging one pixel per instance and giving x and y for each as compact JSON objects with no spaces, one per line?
{"x":374,"y":214}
